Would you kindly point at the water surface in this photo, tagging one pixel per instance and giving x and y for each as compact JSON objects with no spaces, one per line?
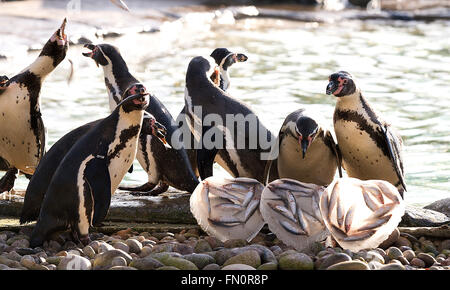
{"x":403,"y":69}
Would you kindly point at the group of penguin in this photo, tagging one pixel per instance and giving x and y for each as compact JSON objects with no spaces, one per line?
{"x":71,"y":185}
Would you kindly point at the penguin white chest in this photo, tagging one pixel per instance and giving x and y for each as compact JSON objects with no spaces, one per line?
{"x":18,"y":143}
{"x":122,"y":152}
{"x":318,"y":167}
{"x":362,"y":158}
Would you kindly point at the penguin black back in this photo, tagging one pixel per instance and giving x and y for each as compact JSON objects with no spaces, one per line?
{"x":80,"y":190}
{"x":40,"y":180}
{"x":117,"y":76}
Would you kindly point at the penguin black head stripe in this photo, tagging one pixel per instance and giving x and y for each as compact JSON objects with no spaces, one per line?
{"x":306,"y":128}
{"x":341,"y":84}
{"x":225,"y":58}
{"x":140,"y":98}
{"x":98,"y":54}
{"x":57,"y":45}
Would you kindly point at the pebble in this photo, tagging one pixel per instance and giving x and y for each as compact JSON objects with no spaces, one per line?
{"x":167,"y":268}
{"x":121,"y":246}
{"x":350,"y":265}
{"x":427,"y":259}
{"x":146,"y":263}
{"x":179,"y":263}
{"x":200,"y":260}
{"x":13,"y":255}
{"x":296,"y":261}
{"x":393,"y":266}
{"x":202,"y":246}
{"x":238,"y":267}
{"x":104,"y":247}
{"x":74,"y":262}
{"x":27,"y":261}
{"x":268,"y":266}
{"x":375,"y":256}
{"x":104,"y":259}
{"x":417,"y":263}
{"x":89,"y":252}
{"x":214,"y":242}
{"x":235,"y":243}
{"x":409,"y":255}
{"x":146,"y":250}
{"x":211,"y":267}
{"x":119,"y":261}
{"x":122,"y":268}
{"x":374,"y":265}
{"x":334,"y":259}
{"x":250,"y":257}
{"x":134,"y":245}
{"x":394,"y":253}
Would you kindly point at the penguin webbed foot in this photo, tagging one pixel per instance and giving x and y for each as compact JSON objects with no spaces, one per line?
{"x":156,"y":190}
{"x":7,"y":181}
{"x":143,"y":188}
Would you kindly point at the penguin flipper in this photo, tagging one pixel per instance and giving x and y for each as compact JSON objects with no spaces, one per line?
{"x":205,"y":162}
{"x":330,"y":142}
{"x":271,"y":169}
{"x":393,"y":143}
{"x":97,"y":175}
{"x":205,"y":157}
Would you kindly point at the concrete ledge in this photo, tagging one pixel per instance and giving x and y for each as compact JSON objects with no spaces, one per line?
{"x":171,"y":207}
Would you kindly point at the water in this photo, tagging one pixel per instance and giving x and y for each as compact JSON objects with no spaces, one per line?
{"x":403,"y":69}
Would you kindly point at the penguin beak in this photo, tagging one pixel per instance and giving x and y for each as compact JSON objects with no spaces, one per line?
{"x":91,"y":53}
{"x":331,"y":87}
{"x":59,"y":36}
{"x":160,"y":132}
{"x":240,"y":57}
{"x":304,"y":144}
{"x":215,"y":77}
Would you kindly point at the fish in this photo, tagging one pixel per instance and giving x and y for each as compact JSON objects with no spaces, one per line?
{"x":291,"y":229}
{"x":375,"y":224}
{"x":373,"y":205}
{"x":359,"y":237}
{"x":252,"y":207}
{"x":349,"y":218}
{"x":283,"y":211}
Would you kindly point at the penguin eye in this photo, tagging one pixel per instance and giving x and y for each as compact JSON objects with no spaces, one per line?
{"x":345,"y":81}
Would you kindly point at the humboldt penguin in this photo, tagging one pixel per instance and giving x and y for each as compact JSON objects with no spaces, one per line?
{"x":370,"y":147}
{"x":224,"y":59}
{"x":22,"y":131}
{"x":220,"y":76}
{"x":38,"y":185}
{"x":164,"y":166}
{"x":306,"y":151}
{"x":80,"y":190}
{"x":220,"y":122}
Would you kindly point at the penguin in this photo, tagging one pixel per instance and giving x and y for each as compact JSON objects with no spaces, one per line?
{"x":164,"y":166}
{"x":220,"y":76}
{"x":80,"y":190}
{"x":22,"y":131}
{"x":225,"y":59}
{"x":38,"y":185}
{"x":370,"y":147}
{"x":306,"y":151}
{"x":205,"y":100}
